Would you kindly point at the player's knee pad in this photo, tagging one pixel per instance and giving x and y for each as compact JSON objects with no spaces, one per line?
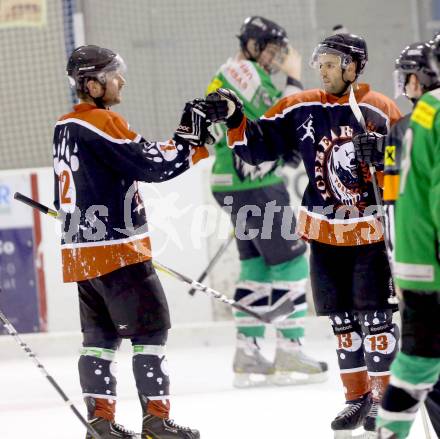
{"x":380,"y":339}
{"x":151,"y":372}
{"x":97,"y":372}
{"x":348,"y":332}
{"x":420,"y":329}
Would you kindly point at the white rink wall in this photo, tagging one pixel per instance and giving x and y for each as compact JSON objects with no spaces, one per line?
{"x":176,"y":243}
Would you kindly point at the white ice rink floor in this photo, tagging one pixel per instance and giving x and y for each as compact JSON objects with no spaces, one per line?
{"x":203,"y":396}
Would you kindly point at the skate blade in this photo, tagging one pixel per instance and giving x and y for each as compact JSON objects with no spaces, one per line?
{"x":246,"y":380}
{"x":359,"y":433}
{"x":296,"y":378}
{"x":367,"y":435}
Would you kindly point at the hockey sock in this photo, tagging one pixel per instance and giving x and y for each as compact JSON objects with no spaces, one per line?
{"x":289,"y":281}
{"x":380,"y":341}
{"x":350,"y":354}
{"x":411,"y":380}
{"x":152,"y":380}
{"x":98,"y":381}
{"x":100,"y":408}
{"x":293,"y":326}
{"x":252,"y":289}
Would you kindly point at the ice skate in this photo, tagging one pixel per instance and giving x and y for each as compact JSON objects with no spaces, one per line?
{"x":351,"y":418}
{"x":370,"y":421}
{"x":154,"y":427}
{"x":293,"y":366}
{"x":250,"y":367}
{"x":110,"y":430}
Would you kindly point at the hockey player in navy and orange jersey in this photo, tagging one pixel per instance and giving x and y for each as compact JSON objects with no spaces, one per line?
{"x":271,"y":270}
{"x":105,"y":243}
{"x":349,"y":269}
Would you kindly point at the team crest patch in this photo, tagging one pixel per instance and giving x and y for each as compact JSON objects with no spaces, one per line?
{"x":337,"y":171}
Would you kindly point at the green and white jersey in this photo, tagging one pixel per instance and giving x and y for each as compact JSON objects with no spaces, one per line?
{"x":417,"y":264}
{"x":258,"y":93}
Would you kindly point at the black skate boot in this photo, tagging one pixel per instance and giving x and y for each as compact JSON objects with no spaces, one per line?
{"x":154,"y":427}
{"x":370,"y":421}
{"x":110,"y":430}
{"x":352,"y":416}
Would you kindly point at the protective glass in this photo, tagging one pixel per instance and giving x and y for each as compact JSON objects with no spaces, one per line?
{"x":115,"y":67}
{"x":399,"y":80}
{"x":404,"y":67}
{"x":322,"y":49}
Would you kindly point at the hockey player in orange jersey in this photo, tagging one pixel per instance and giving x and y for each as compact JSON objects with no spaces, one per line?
{"x":350,"y":273}
{"x":105,"y":242}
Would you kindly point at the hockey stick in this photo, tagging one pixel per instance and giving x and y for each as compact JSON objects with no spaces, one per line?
{"x":276,"y":314}
{"x":393,"y":300}
{"x":213,"y":261}
{"x":13,"y":332}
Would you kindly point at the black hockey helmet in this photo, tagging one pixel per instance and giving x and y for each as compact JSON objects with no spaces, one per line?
{"x":415,"y":59}
{"x":348,"y":47}
{"x":263,"y":31}
{"x":92,"y":62}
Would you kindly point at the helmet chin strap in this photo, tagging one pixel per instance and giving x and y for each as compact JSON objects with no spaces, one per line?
{"x":97,"y":101}
{"x":347,"y":84}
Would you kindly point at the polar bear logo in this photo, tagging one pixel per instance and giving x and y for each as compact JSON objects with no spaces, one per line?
{"x":342,"y":172}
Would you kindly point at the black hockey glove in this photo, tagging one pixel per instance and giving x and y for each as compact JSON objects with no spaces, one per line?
{"x":223,"y":105}
{"x":369,"y":148}
{"x":194,"y":124}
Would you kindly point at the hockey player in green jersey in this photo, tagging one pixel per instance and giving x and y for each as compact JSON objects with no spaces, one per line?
{"x":273,"y":269}
{"x":417,"y":265}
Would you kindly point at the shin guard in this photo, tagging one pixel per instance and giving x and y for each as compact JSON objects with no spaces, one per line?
{"x":97,"y":372}
{"x":350,"y":354}
{"x":380,"y":340}
{"x":152,"y":380}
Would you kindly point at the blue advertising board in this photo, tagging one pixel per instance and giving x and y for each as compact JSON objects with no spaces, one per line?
{"x":21,"y":277}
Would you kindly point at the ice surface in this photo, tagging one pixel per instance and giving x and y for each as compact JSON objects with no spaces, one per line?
{"x":204,"y":398}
